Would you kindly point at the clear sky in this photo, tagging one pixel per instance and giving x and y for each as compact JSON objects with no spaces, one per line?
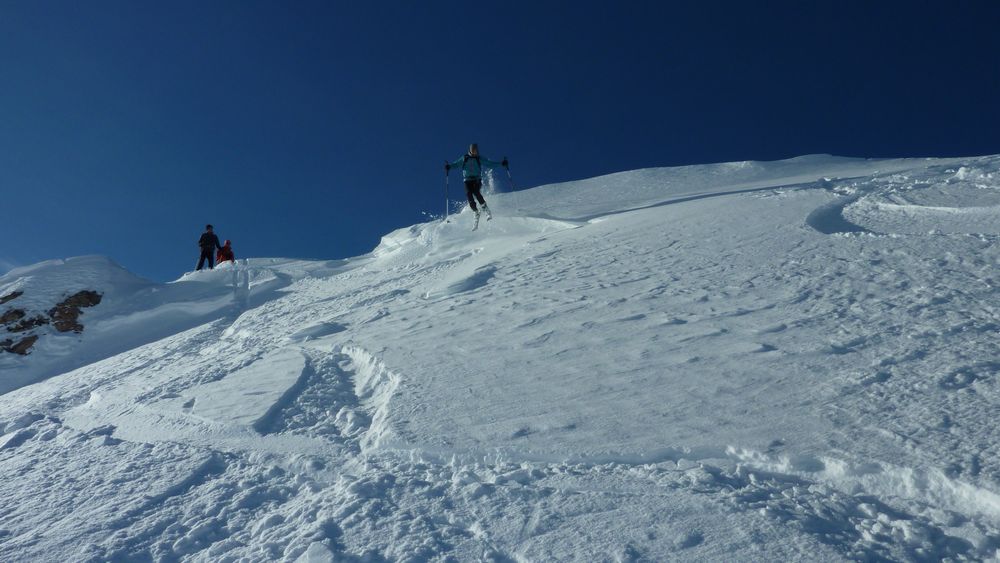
{"x":309,"y":129}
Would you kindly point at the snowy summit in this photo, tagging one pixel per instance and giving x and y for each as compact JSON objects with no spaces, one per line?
{"x":751,"y":361}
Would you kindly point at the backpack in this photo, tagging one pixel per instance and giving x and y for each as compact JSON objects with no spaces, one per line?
{"x":466,"y":159}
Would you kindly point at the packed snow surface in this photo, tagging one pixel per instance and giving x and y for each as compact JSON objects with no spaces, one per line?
{"x":753,"y":361}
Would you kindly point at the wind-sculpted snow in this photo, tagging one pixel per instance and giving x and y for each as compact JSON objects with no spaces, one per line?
{"x":938,"y":200}
{"x":829,"y":219}
{"x":791,"y":361}
{"x":596,"y":197}
{"x":943,"y":201}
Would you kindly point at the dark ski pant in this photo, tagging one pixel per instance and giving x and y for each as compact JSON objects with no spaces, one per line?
{"x":472,"y":187}
{"x":207,"y":254}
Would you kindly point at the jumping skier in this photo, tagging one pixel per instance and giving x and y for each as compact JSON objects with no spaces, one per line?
{"x":472,"y":169}
{"x":208,"y":244}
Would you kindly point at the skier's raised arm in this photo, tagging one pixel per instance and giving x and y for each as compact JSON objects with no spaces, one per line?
{"x":492,"y":163}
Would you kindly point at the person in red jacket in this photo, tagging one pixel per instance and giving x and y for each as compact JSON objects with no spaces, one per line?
{"x":225,"y":253}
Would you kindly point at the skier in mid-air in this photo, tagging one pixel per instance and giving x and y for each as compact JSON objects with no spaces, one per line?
{"x":472,"y":172}
{"x":208,"y":244}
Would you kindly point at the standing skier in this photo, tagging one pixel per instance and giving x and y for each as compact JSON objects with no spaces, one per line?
{"x":208,"y":244}
{"x":472,"y":171}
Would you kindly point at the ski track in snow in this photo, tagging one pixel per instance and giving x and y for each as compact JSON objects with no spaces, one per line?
{"x":786,"y":361}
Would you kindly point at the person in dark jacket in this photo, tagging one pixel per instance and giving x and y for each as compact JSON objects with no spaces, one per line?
{"x":208,"y":244}
{"x":225,"y":253}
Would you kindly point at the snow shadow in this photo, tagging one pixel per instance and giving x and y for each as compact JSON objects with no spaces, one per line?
{"x":476,"y":280}
{"x":829,"y":219}
{"x":481,"y":277}
{"x":315,"y":331}
{"x":674,"y":201}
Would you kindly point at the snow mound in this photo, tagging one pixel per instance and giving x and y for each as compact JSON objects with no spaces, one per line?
{"x":439,"y":238}
{"x":45,"y":283}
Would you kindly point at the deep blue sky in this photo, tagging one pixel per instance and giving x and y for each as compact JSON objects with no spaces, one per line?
{"x":309,"y":129}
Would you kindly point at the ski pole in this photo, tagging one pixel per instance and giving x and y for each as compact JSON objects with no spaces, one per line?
{"x":513,"y":190}
{"x":446,"y":178}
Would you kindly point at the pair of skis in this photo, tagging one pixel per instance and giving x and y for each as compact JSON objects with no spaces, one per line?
{"x":489,"y":216}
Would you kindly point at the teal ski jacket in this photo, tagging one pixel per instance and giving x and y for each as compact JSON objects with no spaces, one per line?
{"x":472,"y":167}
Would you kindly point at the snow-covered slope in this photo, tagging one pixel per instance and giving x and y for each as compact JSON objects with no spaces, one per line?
{"x":751,"y":361}
{"x":133,"y":311}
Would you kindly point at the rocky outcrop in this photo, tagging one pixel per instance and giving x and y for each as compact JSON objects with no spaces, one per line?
{"x":28,"y":324}
{"x":64,"y":317}
{"x":12,"y":316}
{"x":65,"y":314}
{"x":22,"y":347}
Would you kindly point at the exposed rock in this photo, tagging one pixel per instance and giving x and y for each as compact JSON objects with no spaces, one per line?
{"x":24,"y":345}
{"x":67,"y":321}
{"x":85,"y":298}
{"x":65,"y":314}
{"x":21,"y":347}
{"x":11,"y":316}
{"x":28,"y":324}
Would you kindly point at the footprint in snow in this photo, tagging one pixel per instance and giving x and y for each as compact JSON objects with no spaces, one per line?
{"x":959,"y":379}
{"x":689,"y":540}
{"x":522,"y":432}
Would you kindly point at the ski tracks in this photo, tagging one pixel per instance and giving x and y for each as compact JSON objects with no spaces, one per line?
{"x":345,"y":399}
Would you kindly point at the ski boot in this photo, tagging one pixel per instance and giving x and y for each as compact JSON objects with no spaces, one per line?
{"x":489,"y":215}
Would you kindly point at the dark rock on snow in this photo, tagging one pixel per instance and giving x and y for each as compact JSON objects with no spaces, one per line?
{"x":21,"y":347}
{"x":64,"y":317}
{"x":28,"y":324}
{"x":12,"y":316}
{"x":65,"y":314}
